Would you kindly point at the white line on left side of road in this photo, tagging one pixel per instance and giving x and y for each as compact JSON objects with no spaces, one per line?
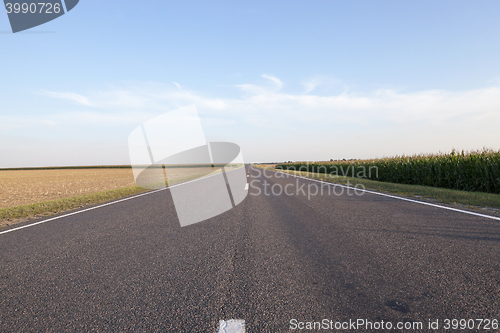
{"x":80,"y":211}
{"x":106,"y":204}
{"x":231,"y":326}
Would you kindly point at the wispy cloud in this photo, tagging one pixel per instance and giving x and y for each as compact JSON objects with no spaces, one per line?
{"x":68,"y":96}
{"x":269,"y":102}
{"x":277,"y":82}
{"x":428,"y":120}
{"x":257,"y":89}
{"x":319,"y":80}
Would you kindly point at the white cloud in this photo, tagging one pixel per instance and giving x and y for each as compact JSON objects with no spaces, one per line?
{"x":310,"y":85}
{"x":319,"y":80}
{"x":255,"y":89}
{"x":277,"y":82}
{"x":69,"y":96}
{"x":49,"y":122}
{"x":177,"y":85}
{"x":268,"y":104}
{"x":270,"y":122}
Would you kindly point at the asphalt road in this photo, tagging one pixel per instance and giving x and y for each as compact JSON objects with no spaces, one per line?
{"x":274,"y":258}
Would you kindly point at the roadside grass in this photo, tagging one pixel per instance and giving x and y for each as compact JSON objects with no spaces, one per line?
{"x":48,"y":208}
{"x":13,"y":215}
{"x":477,"y":200}
{"x":477,"y":170}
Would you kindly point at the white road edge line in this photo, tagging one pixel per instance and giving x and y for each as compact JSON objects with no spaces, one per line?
{"x":231,"y":326}
{"x":396,"y":197}
{"x":106,"y":204}
{"x":78,"y":212}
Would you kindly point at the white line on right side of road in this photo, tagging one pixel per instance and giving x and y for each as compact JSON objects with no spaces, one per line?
{"x":396,"y":197}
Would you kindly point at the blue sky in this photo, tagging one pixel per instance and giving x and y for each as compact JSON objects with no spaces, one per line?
{"x":285,"y":80}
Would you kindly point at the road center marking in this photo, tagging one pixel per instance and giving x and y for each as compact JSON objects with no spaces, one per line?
{"x":231,"y":326}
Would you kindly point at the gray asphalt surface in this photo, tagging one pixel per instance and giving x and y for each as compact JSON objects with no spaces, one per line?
{"x":273,"y":258}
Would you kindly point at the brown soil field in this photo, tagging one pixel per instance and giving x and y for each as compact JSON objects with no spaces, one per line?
{"x":24,"y":187}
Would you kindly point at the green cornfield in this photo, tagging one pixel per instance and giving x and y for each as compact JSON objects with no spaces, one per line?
{"x":477,"y":171}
